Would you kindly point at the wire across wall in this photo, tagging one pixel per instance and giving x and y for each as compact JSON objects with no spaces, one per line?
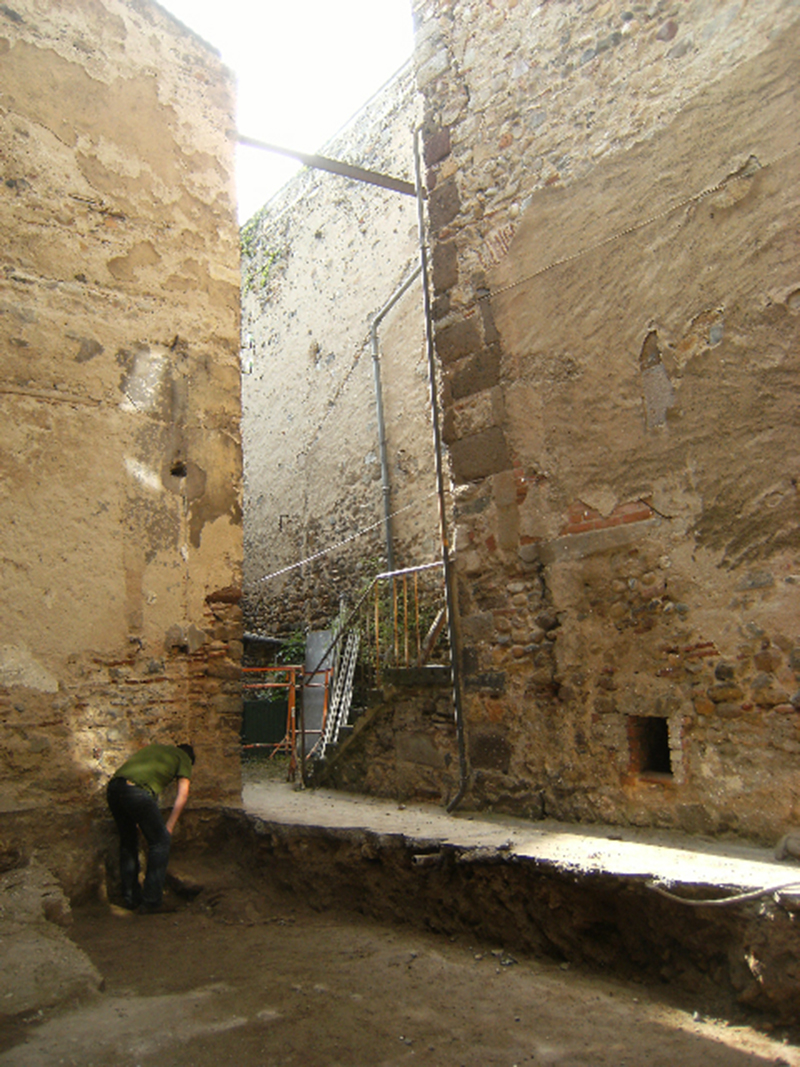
{"x":399,"y":621}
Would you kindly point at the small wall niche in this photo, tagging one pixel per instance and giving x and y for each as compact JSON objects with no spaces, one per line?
{"x":648,"y":743}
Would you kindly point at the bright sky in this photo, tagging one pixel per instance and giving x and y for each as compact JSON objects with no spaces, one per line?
{"x":303,"y":68}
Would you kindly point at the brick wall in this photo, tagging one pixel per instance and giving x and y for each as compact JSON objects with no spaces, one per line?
{"x":612,"y":199}
{"x":119,"y":382}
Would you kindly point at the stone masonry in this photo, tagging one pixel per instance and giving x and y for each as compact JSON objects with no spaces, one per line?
{"x":120,"y":461}
{"x":613,"y":199}
{"x":319,"y":261}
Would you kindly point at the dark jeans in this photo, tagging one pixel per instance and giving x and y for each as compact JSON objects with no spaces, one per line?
{"x":133,"y":806}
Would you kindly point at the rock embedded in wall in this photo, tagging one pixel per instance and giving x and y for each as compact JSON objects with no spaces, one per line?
{"x":607,"y":345}
{"x":403,"y":747}
{"x":119,"y":313}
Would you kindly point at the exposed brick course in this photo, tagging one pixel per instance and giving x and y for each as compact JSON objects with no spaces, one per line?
{"x":581,"y":518}
{"x":121,"y":529}
{"x":623,"y":323}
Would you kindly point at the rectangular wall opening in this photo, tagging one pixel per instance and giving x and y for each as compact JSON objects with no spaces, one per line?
{"x":648,"y":742}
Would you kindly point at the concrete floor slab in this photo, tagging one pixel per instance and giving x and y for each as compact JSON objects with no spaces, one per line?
{"x":666,"y":857}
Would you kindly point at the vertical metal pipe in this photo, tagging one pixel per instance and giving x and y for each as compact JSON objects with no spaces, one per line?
{"x":293,"y":740}
{"x":386,"y":487}
{"x":416,"y":613}
{"x":405,"y":619}
{"x":449,"y":584}
{"x":377,"y":638}
{"x":302,"y":711}
{"x":396,"y":635}
{"x":382,"y":451}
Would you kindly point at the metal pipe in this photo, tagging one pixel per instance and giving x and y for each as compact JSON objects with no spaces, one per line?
{"x":333,"y":166}
{"x":450,"y":597}
{"x":377,"y":319}
{"x":300,"y":707}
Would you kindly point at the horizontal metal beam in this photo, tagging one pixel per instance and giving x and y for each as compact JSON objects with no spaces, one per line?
{"x":334,"y":166}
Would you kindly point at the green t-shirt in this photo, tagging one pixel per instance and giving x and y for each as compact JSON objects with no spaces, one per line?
{"x":155,"y":766}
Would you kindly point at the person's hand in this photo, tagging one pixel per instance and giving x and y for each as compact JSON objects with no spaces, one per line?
{"x":180,"y":803}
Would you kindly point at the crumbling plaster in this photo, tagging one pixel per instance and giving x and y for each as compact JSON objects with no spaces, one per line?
{"x":611,"y":196}
{"x":120,"y":466}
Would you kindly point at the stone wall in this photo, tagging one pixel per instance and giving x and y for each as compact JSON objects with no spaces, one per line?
{"x":120,"y":459}
{"x":613,"y":204}
{"x":403,"y":745}
{"x":319,"y":261}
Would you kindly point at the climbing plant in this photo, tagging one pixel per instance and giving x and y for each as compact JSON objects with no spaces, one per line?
{"x":257,"y":262}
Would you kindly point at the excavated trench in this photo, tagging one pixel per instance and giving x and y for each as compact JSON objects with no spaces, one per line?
{"x":319,"y":929}
{"x":741,"y":958}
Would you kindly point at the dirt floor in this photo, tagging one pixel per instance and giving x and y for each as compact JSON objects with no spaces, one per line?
{"x":239,"y":979}
{"x":245,"y":974}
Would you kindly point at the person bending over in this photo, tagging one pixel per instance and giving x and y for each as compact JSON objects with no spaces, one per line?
{"x":132,"y":796}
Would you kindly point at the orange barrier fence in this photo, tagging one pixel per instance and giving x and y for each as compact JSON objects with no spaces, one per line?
{"x":289,"y":677}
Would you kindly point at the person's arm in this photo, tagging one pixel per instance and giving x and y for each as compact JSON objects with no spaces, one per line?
{"x":180,"y":803}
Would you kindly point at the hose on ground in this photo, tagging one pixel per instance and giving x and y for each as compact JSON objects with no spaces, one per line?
{"x":720,"y":902}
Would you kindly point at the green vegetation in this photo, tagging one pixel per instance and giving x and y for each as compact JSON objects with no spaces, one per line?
{"x":255,"y":275}
{"x":293,"y":649}
{"x":292,"y":652}
{"x":248,"y":237}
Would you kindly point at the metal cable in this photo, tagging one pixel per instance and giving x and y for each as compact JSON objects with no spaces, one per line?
{"x":634,"y":227}
{"x":339,"y":544}
{"x":720,"y":902}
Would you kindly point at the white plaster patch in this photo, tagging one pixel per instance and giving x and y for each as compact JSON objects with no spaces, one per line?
{"x":143,"y":384}
{"x":602,"y":498}
{"x":111,"y":156}
{"x":18,"y":667}
{"x":659,"y":396}
{"x":143,"y":475}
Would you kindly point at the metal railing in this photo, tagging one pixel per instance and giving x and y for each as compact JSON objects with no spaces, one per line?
{"x":399,"y":621}
{"x":403,"y":621}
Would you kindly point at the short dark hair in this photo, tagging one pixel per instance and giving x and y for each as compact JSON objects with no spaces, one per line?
{"x":188,"y":750}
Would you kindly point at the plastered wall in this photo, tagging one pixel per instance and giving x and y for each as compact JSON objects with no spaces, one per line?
{"x":120,"y":459}
{"x":613,"y":202}
{"x":319,"y":260}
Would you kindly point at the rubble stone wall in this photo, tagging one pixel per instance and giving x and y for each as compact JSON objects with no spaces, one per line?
{"x":120,"y":460}
{"x":404,"y":744}
{"x":320,"y":260}
{"x":613,"y":198}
